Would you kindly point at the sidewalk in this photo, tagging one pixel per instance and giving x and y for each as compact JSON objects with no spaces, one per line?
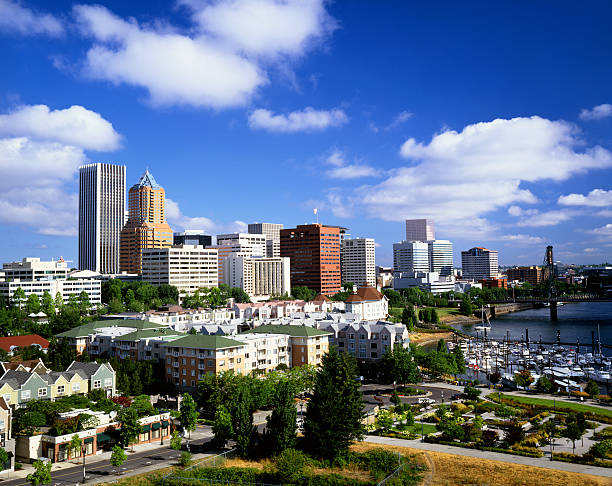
{"x":543,"y":462}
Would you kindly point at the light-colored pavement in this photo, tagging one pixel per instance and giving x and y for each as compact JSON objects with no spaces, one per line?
{"x":543,"y":462}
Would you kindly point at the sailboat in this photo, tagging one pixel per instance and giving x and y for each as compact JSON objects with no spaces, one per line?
{"x":482,"y":326}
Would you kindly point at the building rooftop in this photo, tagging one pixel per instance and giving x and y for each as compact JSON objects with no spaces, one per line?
{"x":11,"y":342}
{"x":202,"y":341}
{"x":147,"y":180}
{"x":365,"y":293}
{"x":291,"y":330}
{"x":116,"y":327}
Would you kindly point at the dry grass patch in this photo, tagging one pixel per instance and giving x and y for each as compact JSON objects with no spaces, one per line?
{"x":450,"y":470}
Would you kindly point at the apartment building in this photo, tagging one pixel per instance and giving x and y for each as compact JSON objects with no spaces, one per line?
{"x":420,"y":230}
{"x":314,"y":250}
{"x":146,"y":226}
{"x":187,"y":267}
{"x":264,"y":352}
{"x":259,"y":277}
{"x":191,"y":357}
{"x":368,"y":303}
{"x":479,"y":263}
{"x":244,"y":243}
{"x":358,"y":261}
{"x":34,"y":269}
{"x":272,"y":234}
{"x":101,"y":216}
{"x":66,"y":288}
{"x":307,"y":345}
{"x":366,"y":340}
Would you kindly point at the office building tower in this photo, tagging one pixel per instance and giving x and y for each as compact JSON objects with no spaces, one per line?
{"x":420,"y":230}
{"x":441,"y":257}
{"x":314,"y":250}
{"x":410,"y":256}
{"x":533,"y":275}
{"x":146,"y":226}
{"x":187,"y":267}
{"x":358,"y":262}
{"x":246,"y":243}
{"x":32,"y":268}
{"x":479,"y":264}
{"x":272,"y":234}
{"x":101,"y":216}
{"x":260,"y":277}
{"x":192,"y":237}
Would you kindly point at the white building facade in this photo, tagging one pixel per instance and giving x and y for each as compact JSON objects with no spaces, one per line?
{"x":358,"y":261}
{"x":259,"y":277}
{"x":101,"y":216}
{"x":272,"y":234}
{"x":410,"y":256}
{"x":187,"y":267}
{"x":441,"y":257}
{"x":248,"y":244}
{"x":66,"y":288}
{"x":33,"y":269}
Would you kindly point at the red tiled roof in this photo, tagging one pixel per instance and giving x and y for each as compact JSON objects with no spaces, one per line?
{"x":365,"y":293}
{"x":7,"y":343}
{"x":321,"y":298}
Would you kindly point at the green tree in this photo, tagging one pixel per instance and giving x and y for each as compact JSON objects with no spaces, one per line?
{"x":84,"y":303}
{"x":115,"y":306}
{"x":544,"y":384}
{"x":573,"y":432}
{"x":142,"y":405}
{"x":242,"y":417}
{"x":471,"y":392}
{"x":459,"y":359}
{"x":4,"y":459}
{"x":290,"y":465}
{"x":434,"y":316}
{"x":523,"y":379}
{"x":592,"y":388}
{"x":41,"y":474}
{"x":19,"y":298}
{"x":222,"y":427}
{"x":303,"y":293}
{"x":32,"y":305}
{"x":185,"y":459}
{"x":47,"y":305}
{"x":175,"y":441}
{"x":399,"y":366}
{"x":118,"y":456}
{"x":335,"y":411}
{"x":466,"y":307}
{"x":59,"y":301}
{"x":281,"y":427}
{"x":189,"y":414}
{"x":130,"y":426}
{"x":75,"y":445}
{"x":407,"y":319}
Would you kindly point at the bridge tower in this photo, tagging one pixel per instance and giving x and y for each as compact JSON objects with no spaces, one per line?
{"x":549,"y":265}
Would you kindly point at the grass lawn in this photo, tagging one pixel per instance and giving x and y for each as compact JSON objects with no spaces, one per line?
{"x":427,"y":429}
{"x":447,"y":311}
{"x":576,"y":407}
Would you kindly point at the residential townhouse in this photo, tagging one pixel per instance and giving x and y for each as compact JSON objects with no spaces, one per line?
{"x":6,"y":434}
{"x":100,"y":376}
{"x":368,"y":303}
{"x":366,"y":340}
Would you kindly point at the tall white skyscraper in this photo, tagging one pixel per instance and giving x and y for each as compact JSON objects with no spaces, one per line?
{"x":357,"y":261}
{"x":420,"y":230}
{"x":441,"y":257}
{"x":101,"y":216}
{"x":410,"y":256}
{"x":272,"y":234}
{"x":247,"y":243}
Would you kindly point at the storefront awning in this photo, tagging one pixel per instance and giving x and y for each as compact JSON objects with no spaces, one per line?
{"x":102,"y":437}
{"x":156,"y":426}
{"x":146,"y":428}
{"x":88,"y":440}
{"x":165,"y":423}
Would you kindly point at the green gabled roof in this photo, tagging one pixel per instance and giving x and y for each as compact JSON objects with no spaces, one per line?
{"x":203,"y":341}
{"x":149,"y":333}
{"x":293,"y":331}
{"x":90,"y":327}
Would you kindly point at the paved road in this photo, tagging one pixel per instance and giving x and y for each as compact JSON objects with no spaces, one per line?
{"x":544,"y":462}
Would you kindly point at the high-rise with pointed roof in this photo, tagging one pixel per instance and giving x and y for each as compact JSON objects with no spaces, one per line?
{"x":146,"y":226}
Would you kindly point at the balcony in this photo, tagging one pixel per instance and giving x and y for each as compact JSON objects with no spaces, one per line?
{"x":175,"y":364}
{"x":201,"y":367}
{"x":147,"y":358}
{"x":148,"y":348}
{"x":201,"y":355}
{"x":125,"y":347}
{"x":174,"y":353}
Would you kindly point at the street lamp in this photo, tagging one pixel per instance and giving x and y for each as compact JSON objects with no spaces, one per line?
{"x":84,"y":451}
{"x":422,"y":431}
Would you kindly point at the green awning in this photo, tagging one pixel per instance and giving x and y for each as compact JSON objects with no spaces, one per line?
{"x":88,"y":440}
{"x":146,"y":428}
{"x":156,"y":426}
{"x":102,"y":437}
{"x":165,"y":423}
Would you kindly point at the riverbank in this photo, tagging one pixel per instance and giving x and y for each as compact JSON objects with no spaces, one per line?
{"x":424,"y":338}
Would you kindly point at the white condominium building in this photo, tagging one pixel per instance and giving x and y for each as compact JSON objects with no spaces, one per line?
{"x":64,"y":287}
{"x":479,"y":264}
{"x":101,"y":216}
{"x":34,"y":269}
{"x":246,"y":243}
{"x":410,"y":256}
{"x":420,"y":230}
{"x":272,"y":234}
{"x":259,"y":277}
{"x":264,"y":352}
{"x":357,"y":261}
{"x":187,"y":267}
{"x":441,"y":257}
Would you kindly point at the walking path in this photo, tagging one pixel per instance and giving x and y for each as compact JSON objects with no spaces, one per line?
{"x":544,"y":462}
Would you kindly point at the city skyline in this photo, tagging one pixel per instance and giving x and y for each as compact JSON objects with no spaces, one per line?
{"x":302,"y":130}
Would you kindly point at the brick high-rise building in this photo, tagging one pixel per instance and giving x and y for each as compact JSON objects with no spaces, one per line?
{"x":420,"y":230}
{"x":314,"y":250}
{"x":146,"y":226}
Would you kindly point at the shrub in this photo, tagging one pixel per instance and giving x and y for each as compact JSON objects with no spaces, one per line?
{"x":580,"y":394}
{"x":18,"y":466}
{"x":185,"y":459}
{"x":601,"y":449}
{"x":290,"y":465}
{"x":603,"y":398}
{"x":489,"y":437}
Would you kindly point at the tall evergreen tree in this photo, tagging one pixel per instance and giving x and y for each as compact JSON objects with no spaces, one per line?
{"x":281,"y":428}
{"x":335,"y":412}
{"x":242,"y":418}
{"x":222,"y":428}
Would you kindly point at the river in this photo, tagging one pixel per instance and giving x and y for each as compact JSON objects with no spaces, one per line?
{"x":576,"y":321}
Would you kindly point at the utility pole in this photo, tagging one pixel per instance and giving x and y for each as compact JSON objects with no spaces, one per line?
{"x":84,"y":449}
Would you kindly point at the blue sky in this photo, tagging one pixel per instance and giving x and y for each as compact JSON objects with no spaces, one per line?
{"x":492,"y":120}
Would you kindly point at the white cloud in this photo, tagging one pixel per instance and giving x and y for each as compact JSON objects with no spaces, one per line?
{"x":265,"y":27}
{"x":36,"y":166}
{"x":337,"y":158}
{"x":219,"y":64}
{"x":459,"y":177}
{"x":399,"y":119}
{"x":591,"y":250}
{"x":605,"y":232}
{"x":353,"y":172}
{"x":180,"y":221}
{"x":522,"y":240}
{"x":75,"y":126}
{"x":306,"y":120}
{"x":16,"y":18}
{"x":597,"y":112}
{"x":596,"y":198}
{"x":518,"y":211}
{"x":535,"y":218}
